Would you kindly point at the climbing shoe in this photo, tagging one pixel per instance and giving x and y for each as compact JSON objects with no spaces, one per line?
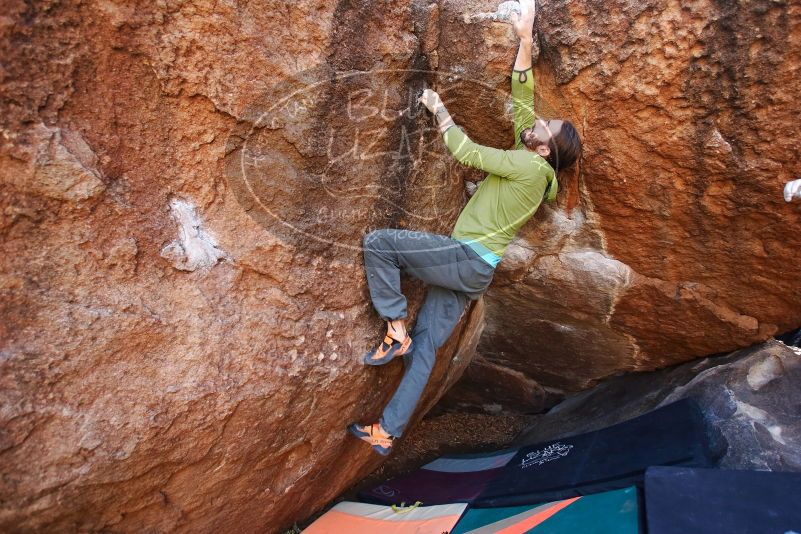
{"x":387,"y":350}
{"x":374,"y":435}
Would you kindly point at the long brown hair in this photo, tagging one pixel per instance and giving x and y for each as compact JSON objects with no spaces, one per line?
{"x":565,"y":147}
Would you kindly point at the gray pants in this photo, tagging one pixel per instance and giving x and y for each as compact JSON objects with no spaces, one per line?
{"x":456,"y":274}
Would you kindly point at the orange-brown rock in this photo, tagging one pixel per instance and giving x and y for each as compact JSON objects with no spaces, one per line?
{"x":185,"y":187}
{"x":184,"y":190}
{"x":671,"y":240}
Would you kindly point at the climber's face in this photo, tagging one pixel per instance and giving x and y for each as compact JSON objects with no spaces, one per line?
{"x":538,"y":136}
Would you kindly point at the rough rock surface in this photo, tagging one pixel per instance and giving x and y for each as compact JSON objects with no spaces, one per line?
{"x":185,"y":186}
{"x":173,"y":359}
{"x":750,"y":396}
{"x":671,"y":240}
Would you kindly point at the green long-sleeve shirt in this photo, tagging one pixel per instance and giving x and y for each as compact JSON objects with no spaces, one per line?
{"x":515,"y":187}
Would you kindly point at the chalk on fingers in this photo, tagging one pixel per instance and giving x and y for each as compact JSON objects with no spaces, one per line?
{"x":792,"y":190}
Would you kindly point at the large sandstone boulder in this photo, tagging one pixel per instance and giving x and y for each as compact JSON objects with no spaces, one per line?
{"x":671,"y":240}
{"x":185,"y":187}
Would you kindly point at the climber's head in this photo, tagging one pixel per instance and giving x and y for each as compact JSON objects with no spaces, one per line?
{"x":555,"y":140}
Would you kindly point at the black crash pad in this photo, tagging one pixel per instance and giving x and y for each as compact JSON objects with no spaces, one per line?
{"x":680,"y":500}
{"x":612,"y":458}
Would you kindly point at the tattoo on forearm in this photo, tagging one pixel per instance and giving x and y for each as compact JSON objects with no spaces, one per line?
{"x":444,"y":120}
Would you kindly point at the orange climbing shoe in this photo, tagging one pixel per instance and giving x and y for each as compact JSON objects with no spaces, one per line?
{"x":387,"y":350}
{"x":374,"y":435}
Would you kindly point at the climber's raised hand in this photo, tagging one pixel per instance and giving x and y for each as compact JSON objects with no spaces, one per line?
{"x":430,"y":99}
{"x":524,"y":22}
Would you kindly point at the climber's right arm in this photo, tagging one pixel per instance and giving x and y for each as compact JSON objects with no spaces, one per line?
{"x":523,"y":24}
{"x":522,"y":72}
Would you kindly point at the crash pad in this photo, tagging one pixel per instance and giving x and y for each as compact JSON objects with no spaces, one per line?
{"x":613,"y":512}
{"x":363,"y":518}
{"x":607,"y":459}
{"x":683,"y":500}
{"x":454,"y":478}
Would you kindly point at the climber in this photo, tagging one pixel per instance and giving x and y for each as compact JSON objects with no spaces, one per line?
{"x":459,"y":268}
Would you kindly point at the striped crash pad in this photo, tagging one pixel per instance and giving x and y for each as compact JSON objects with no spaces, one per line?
{"x":612,"y":458}
{"x":612,"y":512}
{"x":680,"y":500}
{"x":361,"y":518}
{"x":457,"y":478}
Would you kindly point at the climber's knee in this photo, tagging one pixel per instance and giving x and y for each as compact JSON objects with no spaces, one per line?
{"x":375,"y":239}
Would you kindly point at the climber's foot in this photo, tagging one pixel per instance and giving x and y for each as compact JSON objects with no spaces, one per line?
{"x":397,"y":342}
{"x":377,"y":437}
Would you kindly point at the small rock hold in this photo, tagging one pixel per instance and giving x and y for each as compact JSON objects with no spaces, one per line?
{"x":764,"y":372}
{"x":61,"y":165}
{"x":195,"y":248}
{"x":502,"y":14}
